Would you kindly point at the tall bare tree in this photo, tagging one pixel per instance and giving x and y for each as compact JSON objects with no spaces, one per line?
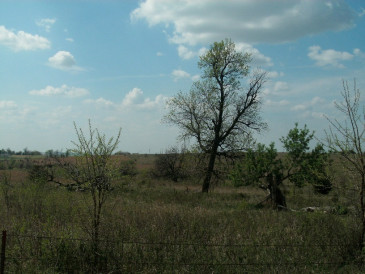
{"x":220,"y":111}
{"x":347,"y":136}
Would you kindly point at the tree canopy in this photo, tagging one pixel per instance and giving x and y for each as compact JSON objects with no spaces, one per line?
{"x":221,"y":110}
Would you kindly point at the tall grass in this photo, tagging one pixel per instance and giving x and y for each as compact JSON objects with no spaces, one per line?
{"x":156,"y":226}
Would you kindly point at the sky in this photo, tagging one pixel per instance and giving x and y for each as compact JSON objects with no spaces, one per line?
{"x":117,"y":63}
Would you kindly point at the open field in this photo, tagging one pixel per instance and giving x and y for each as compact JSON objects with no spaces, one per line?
{"x":152,"y":225}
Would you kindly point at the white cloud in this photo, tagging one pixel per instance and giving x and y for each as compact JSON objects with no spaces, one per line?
{"x":274,"y":74}
{"x":56,"y":116}
{"x":11,"y":113}
{"x":70,"y":40}
{"x":63,"y":60}
{"x":100,"y":102}
{"x":318,"y":115}
{"x":185,"y":53}
{"x":46,"y":23}
{"x":136,"y":98}
{"x":358,"y":53}
{"x":202,"y":51}
{"x":149,"y":104}
{"x":280,"y":86}
{"x":22,"y":41}
{"x":159,"y":53}
{"x":7,"y":104}
{"x":277,"y":103}
{"x":64,"y":90}
{"x":246,"y":21}
{"x":299,"y":107}
{"x":277,"y":88}
{"x":195,"y":77}
{"x":309,"y":105}
{"x":329,"y":57}
{"x":178,"y":74}
{"x":257,"y":57}
{"x":316,"y":100}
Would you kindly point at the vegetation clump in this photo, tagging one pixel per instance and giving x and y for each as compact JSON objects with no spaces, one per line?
{"x":298,"y":165}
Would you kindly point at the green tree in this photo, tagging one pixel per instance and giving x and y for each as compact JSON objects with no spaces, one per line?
{"x":298,"y":165}
{"x":347,"y":137}
{"x":220,"y":112}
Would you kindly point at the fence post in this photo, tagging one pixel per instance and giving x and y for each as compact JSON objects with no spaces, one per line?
{"x":3,"y":248}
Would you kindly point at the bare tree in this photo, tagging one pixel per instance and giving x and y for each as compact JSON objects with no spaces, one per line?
{"x":219,"y":112}
{"x":347,"y":137}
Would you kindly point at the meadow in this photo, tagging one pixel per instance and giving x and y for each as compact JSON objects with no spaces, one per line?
{"x":154,"y":225}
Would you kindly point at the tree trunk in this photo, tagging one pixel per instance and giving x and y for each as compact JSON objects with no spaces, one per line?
{"x":95,"y":245}
{"x":362,"y":207}
{"x":279,"y":202}
{"x":208,"y":175}
{"x":273,"y":192}
{"x":277,"y":197}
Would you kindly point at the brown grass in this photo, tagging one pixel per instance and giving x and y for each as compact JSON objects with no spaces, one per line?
{"x":145,"y":209}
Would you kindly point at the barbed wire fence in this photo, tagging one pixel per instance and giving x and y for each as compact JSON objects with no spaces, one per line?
{"x":21,"y":253}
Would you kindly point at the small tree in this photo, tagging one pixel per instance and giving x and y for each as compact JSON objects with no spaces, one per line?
{"x":220,"y":111}
{"x":299,"y":165}
{"x":92,"y":170}
{"x":347,"y":137}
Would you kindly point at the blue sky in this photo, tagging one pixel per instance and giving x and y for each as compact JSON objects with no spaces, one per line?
{"x":117,"y":62}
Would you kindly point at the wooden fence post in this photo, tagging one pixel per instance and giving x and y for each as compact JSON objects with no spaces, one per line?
{"x":3,"y":248}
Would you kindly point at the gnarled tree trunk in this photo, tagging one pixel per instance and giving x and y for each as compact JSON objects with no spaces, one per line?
{"x":276,"y":196}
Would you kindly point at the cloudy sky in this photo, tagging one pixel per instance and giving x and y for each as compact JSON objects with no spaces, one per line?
{"x":116,"y":63}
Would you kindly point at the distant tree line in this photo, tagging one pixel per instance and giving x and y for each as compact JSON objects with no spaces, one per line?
{"x":57,"y":153}
{"x":49,"y":153}
{"x":25,"y":151}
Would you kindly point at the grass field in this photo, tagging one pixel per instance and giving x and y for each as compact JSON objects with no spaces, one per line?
{"x":152,"y":225}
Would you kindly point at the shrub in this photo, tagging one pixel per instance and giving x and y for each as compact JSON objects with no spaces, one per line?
{"x":171,"y":164}
{"x":128,"y":168}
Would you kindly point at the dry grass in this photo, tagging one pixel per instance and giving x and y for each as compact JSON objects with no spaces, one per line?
{"x":221,"y":228}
